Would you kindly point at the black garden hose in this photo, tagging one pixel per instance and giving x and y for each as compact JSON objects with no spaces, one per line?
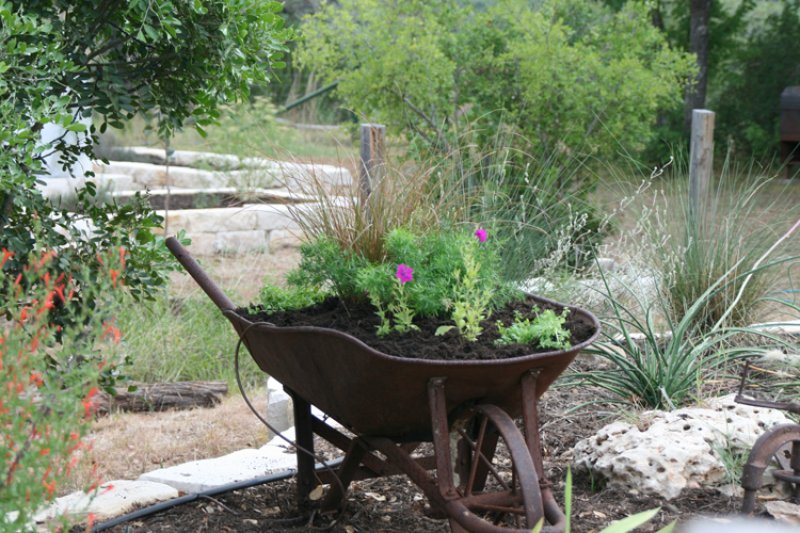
{"x":169,"y":504}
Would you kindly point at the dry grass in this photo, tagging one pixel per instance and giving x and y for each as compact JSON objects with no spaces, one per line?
{"x":127,"y":445}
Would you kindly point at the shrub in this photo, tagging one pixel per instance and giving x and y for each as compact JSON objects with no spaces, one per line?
{"x":49,"y":377}
{"x":545,"y":69}
{"x":724,"y":244}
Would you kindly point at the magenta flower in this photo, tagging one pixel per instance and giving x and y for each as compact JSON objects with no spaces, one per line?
{"x":404,"y":273}
{"x":480,"y":233}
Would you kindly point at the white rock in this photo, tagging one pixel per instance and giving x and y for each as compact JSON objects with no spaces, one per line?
{"x":196,"y":476}
{"x":112,"y":499}
{"x":674,"y":450}
{"x":788,"y":513}
{"x":279,"y":407}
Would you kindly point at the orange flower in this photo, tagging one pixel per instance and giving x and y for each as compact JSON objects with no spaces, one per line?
{"x":44,"y":452}
{"x":50,"y":487}
{"x":114,"y":274}
{"x":88,"y":404}
{"x":110,"y":330}
{"x":36,"y":379}
{"x":6,"y":256}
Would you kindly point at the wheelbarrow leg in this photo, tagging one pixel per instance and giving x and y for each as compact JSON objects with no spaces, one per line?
{"x":530,"y":421}
{"x":345,"y":474}
{"x":304,"y":437}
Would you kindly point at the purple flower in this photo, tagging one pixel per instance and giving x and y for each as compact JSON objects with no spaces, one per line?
{"x":480,"y":233}
{"x":404,"y":273}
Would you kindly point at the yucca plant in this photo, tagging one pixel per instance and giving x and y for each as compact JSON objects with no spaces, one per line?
{"x":660,"y":365}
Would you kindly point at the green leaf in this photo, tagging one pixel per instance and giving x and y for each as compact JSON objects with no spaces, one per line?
{"x":631,"y":522}
{"x":441,"y":330}
{"x":76,"y":126}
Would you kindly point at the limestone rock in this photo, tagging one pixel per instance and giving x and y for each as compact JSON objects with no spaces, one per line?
{"x":786,"y":512}
{"x":667,"y":452}
{"x":112,"y":499}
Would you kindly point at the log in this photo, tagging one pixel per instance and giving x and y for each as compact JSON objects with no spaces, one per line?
{"x":163,"y":396}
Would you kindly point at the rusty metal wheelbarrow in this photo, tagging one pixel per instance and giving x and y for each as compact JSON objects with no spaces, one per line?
{"x":392,"y":405}
{"x":779,"y":445}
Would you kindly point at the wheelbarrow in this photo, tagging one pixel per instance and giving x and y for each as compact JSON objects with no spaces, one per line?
{"x":779,"y":445}
{"x":392,"y":405}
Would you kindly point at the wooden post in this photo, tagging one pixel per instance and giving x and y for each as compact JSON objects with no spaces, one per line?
{"x":701,"y":159}
{"x":373,"y":145}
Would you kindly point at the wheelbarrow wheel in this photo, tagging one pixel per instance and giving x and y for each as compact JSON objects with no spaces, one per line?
{"x":780,"y":448}
{"x":493,"y":474}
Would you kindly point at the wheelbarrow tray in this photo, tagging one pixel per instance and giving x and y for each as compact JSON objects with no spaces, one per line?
{"x":378,"y":394}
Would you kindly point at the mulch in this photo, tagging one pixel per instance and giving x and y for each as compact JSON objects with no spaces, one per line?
{"x":394,"y":504}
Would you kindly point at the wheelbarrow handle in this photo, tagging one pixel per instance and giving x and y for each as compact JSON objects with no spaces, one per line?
{"x":209,"y":287}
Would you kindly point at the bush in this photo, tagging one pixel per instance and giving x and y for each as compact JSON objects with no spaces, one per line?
{"x":49,"y":377}
{"x":562,"y":74}
{"x":65,"y":60}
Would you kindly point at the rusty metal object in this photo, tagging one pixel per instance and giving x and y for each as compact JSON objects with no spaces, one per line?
{"x":393,"y":403}
{"x":780,"y":444}
{"x":790,"y":127}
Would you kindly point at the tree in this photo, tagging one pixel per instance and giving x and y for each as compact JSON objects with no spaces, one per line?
{"x":563,"y":74}
{"x":700,"y":16}
{"x":62,"y":60}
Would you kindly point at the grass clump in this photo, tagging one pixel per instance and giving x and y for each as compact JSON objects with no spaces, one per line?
{"x":727,"y":240}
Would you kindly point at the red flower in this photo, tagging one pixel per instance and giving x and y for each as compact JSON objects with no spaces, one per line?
{"x":36,"y":379}
{"x":88,"y":404}
{"x":6,"y":256}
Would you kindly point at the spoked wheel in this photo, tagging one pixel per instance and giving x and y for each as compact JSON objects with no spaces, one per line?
{"x":780,"y":446}
{"x":495,"y":481}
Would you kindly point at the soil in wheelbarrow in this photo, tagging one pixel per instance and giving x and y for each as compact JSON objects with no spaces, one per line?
{"x":360,"y":321}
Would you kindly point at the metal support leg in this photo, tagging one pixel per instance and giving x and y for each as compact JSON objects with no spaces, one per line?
{"x":304,"y":436}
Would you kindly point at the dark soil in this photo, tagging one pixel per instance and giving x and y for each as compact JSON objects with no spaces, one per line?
{"x":360,"y":321}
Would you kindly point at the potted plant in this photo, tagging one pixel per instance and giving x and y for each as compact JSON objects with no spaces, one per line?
{"x":402,"y":330}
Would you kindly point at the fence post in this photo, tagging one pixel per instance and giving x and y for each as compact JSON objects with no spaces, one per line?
{"x":373,"y":145}
{"x":701,"y":159}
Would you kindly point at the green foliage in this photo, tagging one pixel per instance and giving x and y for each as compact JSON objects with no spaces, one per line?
{"x":546,"y":330}
{"x":472,"y":298}
{"x":324,"y":265}
{"x":274,"y":299}
{"x":175,"y":338}
{"x":451,"y":271}
{"x":562,"y":73}
{"x":661,"y":366}
{"x":64,"y":60}
{"x":751,"y":79}
{"x":49,"y":378}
